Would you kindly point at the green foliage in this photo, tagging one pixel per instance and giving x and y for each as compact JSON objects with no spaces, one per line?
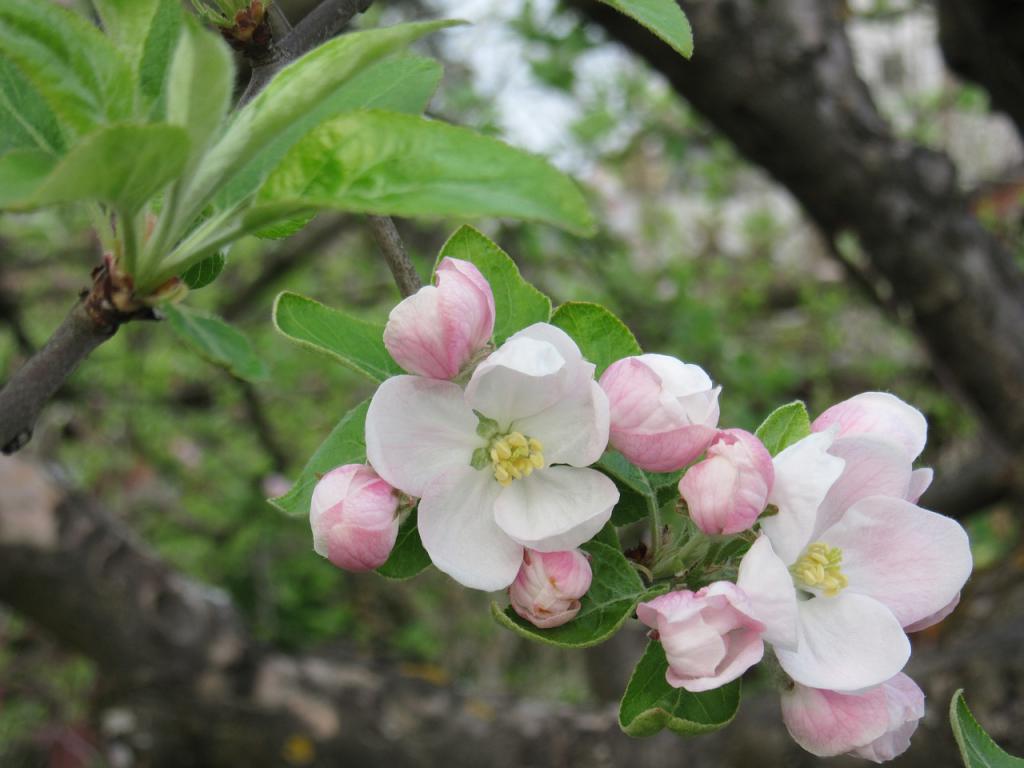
{"x":977,"y":749}
{"x":401,"y":84}
{"x":611,"y":599}
{"x":408,"y":558}
{"x":123,"y":165}
{"x":784,"y":426}
{"x":21,"y":173}
{"x":75,"y":68}
{"x":517,"y":304}
{"x":296,"y":91}
{"x":157,"y":53}
{"x":662,"y":17}
{"x":601,"y":336}
{"x":390,"y":163}
{"x":345,"y":445}
{"x":127,"y":23}
{"x":356,"y":343}
{"x":205,"y":272}
{"x":216,"y":341}
{"x":651,"y":704}
{"x":26,"y":120}
{"x":640,"y":493}
{"x":201,"y":58}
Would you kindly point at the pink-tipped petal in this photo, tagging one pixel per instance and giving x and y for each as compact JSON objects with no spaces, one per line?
{"x":909,"y":559}
{"x":880,"y":414}
{"x":827,"y":723}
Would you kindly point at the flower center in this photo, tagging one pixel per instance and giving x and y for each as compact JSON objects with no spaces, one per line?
{"x":514,"y":456}
{"x":820,"y":568}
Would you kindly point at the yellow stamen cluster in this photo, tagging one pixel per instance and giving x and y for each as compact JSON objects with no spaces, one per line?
{"x":514,"y":456}
{"x":820,"y":568}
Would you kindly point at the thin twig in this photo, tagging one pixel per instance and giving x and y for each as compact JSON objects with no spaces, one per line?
{"x":390,"y":244}
{"x":320,"y":25}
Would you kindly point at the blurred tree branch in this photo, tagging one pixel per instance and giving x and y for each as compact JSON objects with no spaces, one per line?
{"x":777,"y":77}
{"x":389,"y":243}
{"x":983,"y":41}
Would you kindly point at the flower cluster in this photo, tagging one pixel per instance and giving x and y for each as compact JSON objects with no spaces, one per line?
{"x":497,"y":447}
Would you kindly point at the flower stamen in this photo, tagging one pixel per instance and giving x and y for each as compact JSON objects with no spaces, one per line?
{"x":820,"y":567}
{"x":514,"y":456}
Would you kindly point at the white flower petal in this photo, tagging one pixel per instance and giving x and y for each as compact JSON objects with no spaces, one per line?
{"x":457,"y":528}
{"x":534,"y":369}
{"x":766,"y":581}
{"x":878,"y":413}
{"x":909,"y":559}
{"x":920,"y":481}
{"x":847,"y":642}
{"x":804,"y":473}
{"x":418,"y":428}
{"x":574,"y":430}
{"x":556,"y":508}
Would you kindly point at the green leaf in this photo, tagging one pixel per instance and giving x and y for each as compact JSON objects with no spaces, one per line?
{"x":345,"y":445}
{"x":608,"y":535}
{"x":287,"y":228}
{"x":639,"y":492}
{"x":611,"y":599}
{"x":408,"y":558}
{"x":21,"y":173}
{"x":403,"y":84}
{"x":517,"y":304}
{"x":297,"y":90}
{"x":202,"y":78}
{"x":977,"y":749}
{"x":127,"y":23}
{"x":26,"y":120}
{"x":785,"y":425}
{"x":205,"y":272}
{"x":356,"y":343}
{"x":123,"y":165}
{"x":216,"y":341}
{"x":662,"y":17}
{"x":601,"y":336}
{"x":650,"y":703}
{"x":159,"y":48}
{"x":390,"y":163}
{"x":74,"y":67}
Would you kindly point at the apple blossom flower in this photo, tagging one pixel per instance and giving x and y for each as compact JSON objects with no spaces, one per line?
{"x":438,"y":329}
{"x":709,"y":636}
{"x":875,"y":724}
{"x":664,"y":412}
{"x":502,"y":465}
{"x":728,"y":490}
{"x":549,"y":585}
{"x":353,"y":517}
{"x":848,"y":562}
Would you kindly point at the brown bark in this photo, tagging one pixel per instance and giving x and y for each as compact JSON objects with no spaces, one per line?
{"x":777,"y":77}
{"x":983,"y":41}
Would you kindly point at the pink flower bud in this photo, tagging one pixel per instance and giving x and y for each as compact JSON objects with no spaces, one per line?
{"x":549,"y":585}
{"x":664,"y":412}
{"x":709,"y":636}
{"x":729,"y":489}
{"x":353,"y":518}
{"x":437,"y":330}
{"x":875,"y":723}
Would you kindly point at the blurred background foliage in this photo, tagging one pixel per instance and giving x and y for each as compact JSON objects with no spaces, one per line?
{"x":700,"y":254}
